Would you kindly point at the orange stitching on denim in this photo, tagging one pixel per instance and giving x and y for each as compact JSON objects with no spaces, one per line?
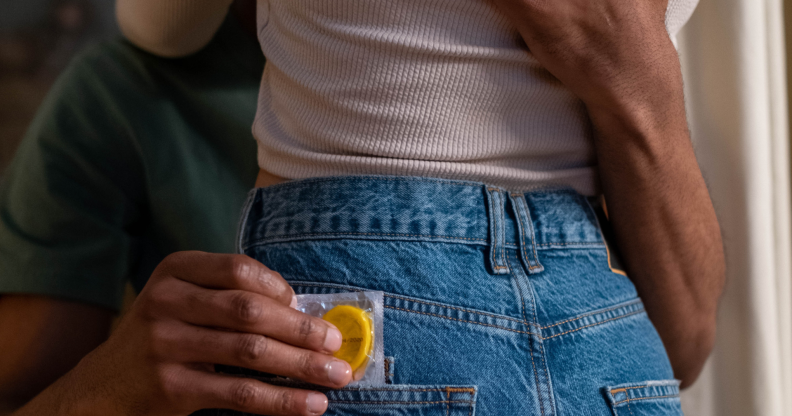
{"x":624,"y":305}
{"x":462,"y":309}
{"x":450,"y":390}
{"x":468,"y":390}
{"x":596,"y":323}
{"x":624,"y":389}
{"x":462,"y":320}
{"x":646,"y":398}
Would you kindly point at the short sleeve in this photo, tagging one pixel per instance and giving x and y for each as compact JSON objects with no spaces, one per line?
{"x":71,"y":201}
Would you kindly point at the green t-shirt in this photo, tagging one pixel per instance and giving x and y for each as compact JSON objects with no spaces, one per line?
{"x":130,"y":158}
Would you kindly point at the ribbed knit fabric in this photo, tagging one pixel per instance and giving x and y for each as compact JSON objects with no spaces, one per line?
{"x":438,"y":88}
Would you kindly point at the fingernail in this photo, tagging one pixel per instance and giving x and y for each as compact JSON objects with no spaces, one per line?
{"x":338,"y":372}
{"x":332,"y":340}
{"x":317,"y":403}
{"x":293,"y":303}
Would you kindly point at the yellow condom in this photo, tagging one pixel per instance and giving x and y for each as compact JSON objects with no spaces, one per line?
{"x":356,"y":334}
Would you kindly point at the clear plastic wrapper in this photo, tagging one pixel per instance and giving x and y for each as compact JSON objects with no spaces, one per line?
{"x":358,"y":315}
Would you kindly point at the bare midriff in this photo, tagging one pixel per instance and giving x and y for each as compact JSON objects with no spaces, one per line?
{"x":265,"y":179}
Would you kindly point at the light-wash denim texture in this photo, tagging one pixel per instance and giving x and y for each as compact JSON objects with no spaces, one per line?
{"x":496,"y":303}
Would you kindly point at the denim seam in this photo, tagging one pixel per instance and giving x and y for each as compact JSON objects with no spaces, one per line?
{"x":645,"y":398}
{"x":339,"y":234}
{"x":613,"y":308}
{"x":395,"y":388}
{"x":539,"y":335}
{"x":289,"y":237}
{"x":463,"y":310}
{"x":541,"y":349}
{"x":530,"y":350}
{"x":450,"y":390}
{"x":598,"y":323}
{"x":463,"y":320}
{"x":583,"y":243}
{"x":379,"y":178}
{"x":467,"y":390}
{"x":628,"y":388}
{"x":438,"y":305}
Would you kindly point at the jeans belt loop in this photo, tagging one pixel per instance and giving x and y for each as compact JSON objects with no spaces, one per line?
{"x":525,"y":228}
{"x":497,"y":230}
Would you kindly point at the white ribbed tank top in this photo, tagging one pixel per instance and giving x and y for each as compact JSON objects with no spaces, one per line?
{"x":437,"y":88}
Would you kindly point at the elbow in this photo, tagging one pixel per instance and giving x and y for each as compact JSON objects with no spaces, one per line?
{"x":693,"y":355}
{"x":161,"y":43}
{"x":168,"y":28}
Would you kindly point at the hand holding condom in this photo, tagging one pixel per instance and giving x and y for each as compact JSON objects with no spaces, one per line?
{"x":358,"y":315}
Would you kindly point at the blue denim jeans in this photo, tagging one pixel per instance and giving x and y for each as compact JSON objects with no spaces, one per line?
{"x":496,"y":303}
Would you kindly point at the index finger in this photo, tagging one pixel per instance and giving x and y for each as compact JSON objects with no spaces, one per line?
{"x":228,"y":271}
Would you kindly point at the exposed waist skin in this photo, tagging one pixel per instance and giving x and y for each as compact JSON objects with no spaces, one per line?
{"x":265,"y":179}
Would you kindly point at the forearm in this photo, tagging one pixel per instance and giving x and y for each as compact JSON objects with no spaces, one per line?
{"x":86,"y":390}
{"x":42,"y":338}
{"x":662,"y":216}
{"x":171,"y":28}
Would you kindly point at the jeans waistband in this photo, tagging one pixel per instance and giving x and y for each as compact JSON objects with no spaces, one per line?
{"x":420,"y":209}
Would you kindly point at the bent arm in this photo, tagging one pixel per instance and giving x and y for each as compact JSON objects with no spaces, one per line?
{"x":41,"y":339}
{"x":663,"y":217}
{"x":171,"y":28}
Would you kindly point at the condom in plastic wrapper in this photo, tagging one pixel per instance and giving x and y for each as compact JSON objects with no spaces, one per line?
{"x":358,"y":315}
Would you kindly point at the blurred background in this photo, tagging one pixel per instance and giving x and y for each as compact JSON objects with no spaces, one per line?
{"x":37,"y":40}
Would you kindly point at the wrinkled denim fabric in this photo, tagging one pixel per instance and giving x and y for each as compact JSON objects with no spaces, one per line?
{"x":496,"y":303}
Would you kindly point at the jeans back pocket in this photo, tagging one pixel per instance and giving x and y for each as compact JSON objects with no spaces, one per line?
{"x":649,"y":398}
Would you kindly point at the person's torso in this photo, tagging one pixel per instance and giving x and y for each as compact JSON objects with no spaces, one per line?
{"x":442,"y":88}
